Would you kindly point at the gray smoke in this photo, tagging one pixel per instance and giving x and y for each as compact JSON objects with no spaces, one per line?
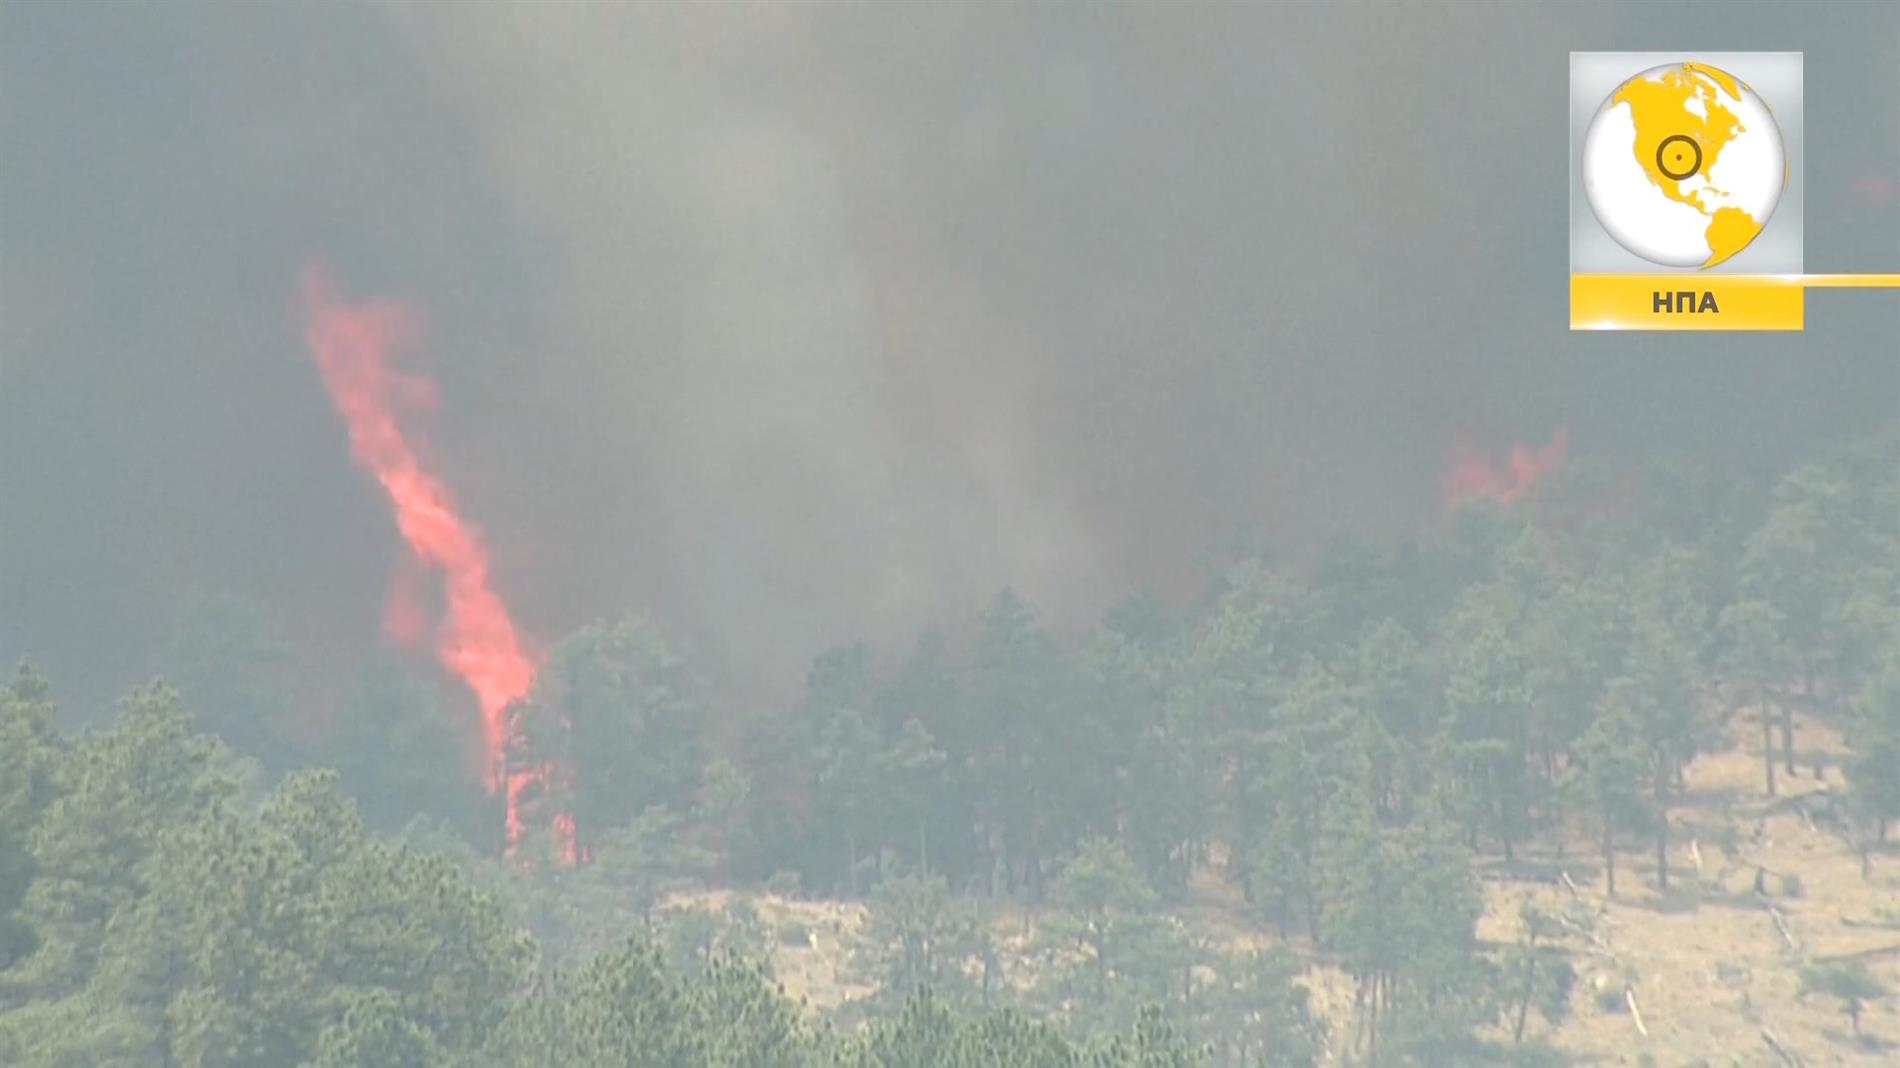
{"x":796,"y":323}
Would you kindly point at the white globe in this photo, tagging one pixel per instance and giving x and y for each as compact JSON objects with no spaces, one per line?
{"x":1683,"y":165}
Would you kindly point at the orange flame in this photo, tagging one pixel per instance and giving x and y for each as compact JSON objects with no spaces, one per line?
{"x":477,"y":639}
{"x":1471,"y":473}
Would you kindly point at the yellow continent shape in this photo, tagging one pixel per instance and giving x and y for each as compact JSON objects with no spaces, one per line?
{"x":1660,"y":110}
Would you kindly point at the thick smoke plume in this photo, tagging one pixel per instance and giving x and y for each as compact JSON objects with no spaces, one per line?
{"x":792,"y":324}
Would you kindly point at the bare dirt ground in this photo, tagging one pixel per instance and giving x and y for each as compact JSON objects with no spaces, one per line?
{"x":1708,"y":966}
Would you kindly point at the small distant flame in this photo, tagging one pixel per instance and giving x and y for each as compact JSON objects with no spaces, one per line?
{"x":1473,"y":473}
{"x":477,"y":639}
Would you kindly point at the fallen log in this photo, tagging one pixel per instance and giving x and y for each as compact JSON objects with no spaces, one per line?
{"x":1787,"y":1055}
{"x":1781,"y":924}
{"x":1590,"y":933}
{"x":1862,"y":954}
{"x":1540,"y":878}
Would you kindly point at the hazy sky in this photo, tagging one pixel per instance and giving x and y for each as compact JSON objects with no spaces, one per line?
{"x":795,"y":323}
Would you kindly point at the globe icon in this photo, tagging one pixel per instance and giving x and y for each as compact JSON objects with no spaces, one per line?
{"x":1683,"y":164}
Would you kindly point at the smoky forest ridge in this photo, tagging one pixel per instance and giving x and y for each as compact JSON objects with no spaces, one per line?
{"x":1603,"y":772}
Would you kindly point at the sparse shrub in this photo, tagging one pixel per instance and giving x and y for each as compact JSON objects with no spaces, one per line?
{"x":689,"y":936}
{"x":794,"y":933}
{"x":1727,"y":839}
{"x":1849,"y":981}
{"x":1734,"y":973}
{"x":1791,"y":886}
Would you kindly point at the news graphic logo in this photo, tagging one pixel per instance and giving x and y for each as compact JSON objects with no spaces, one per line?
{"x":1686,"y":195}
{"x":1683,"y":164}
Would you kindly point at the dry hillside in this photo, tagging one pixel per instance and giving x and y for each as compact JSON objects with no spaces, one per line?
{"x":1712,"y":968}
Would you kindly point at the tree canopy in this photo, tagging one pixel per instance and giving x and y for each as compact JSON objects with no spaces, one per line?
{"x":1024,"y":814}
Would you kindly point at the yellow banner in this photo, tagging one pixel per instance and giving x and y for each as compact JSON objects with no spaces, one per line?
{"x":1702,"y":302}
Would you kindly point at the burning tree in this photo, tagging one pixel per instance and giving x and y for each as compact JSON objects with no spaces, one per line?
{"x":477,"y":639}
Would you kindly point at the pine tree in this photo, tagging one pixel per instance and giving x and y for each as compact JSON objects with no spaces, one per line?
{"x":1873,"y":768}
